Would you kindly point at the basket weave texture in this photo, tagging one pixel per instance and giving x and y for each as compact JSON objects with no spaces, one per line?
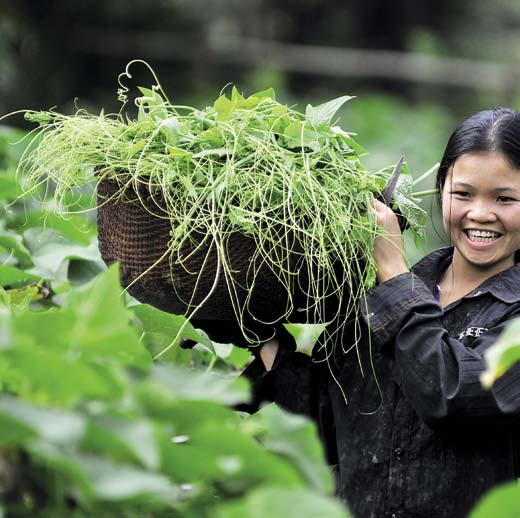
{"x":135,"y":231}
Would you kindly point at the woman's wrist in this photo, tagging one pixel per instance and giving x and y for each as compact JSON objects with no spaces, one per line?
{"x":387,"y":272}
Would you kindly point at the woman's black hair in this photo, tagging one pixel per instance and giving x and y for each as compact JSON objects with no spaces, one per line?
{"x":489,"y":130}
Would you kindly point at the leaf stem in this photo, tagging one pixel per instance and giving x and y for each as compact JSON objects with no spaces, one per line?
{"x":421,"y":194}
{"x":426,"y":174}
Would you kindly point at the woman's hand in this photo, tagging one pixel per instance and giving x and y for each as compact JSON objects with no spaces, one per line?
{"x":268,"y":353}
{"x":388,"y":248}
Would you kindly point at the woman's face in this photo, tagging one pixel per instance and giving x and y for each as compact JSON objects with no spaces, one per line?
{"x":481,"y":211}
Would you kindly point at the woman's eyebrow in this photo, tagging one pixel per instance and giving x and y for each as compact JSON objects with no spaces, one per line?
{"x":506,"y":188}
{"x":461,"y":184}
{"x":503,"y":188}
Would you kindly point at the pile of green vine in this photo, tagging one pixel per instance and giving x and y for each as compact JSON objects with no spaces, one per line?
{"x":243,"y":164}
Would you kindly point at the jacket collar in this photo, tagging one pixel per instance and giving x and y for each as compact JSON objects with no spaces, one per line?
{"x":504,"y":286}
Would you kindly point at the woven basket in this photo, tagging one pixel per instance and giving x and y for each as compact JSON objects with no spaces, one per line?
{"x":136,"y":231}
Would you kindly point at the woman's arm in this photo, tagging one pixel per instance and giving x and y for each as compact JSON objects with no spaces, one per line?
{"x":388,"y":251}
{"x":438,"y":373}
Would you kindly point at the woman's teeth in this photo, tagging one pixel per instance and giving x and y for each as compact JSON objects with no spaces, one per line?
{"x":482,"y":236}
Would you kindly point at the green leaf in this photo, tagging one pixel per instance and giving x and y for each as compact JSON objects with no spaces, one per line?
{"x":101,"y":324}
{"x":48,"y":375}
{"x":117,"y":481}
{"x":213,"y":152}
{"x":404,"y":202}
{"x":51,"y":253}
{"x":13,"y":432}
{"x":279,"y":502}
{"x":154,"y":320}
{"x":241,"y":460}
{"x":13,"y":244}
{"x":75,"y":227}
{"x":295,"y":438}
{"x":151,"y":106}
{"x":52,"y":425}
{"x":213,"y":137}
{"x":349,"y":141}
{"x":102,"y":479}
{"x":305,"y":335}
{"x":93,"y":323}
{"x":186,"y":384}
{"x":268,"y":93}
{"x":225,"y":108}
{"x":185,"y":415}
{"x":188,"y":464}
{"x":51,"y":329}
{"x":177,"y":152}
{"x":158,"y":345}
{"x":236,"y":95}
{"x":11,"y":276}
{"x":323,"y":113}
{"x":299,"y":135}
{"x":130,"y":439}
{"x":233,"y":355}
{"x":170,"y":128}
{"x":501,"y":502}
{"x":503,"y":354}
{"x":9,"y":186}
{"x":60,"y":464}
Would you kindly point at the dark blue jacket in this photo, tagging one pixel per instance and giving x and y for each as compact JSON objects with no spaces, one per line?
{"x":403,"y":416}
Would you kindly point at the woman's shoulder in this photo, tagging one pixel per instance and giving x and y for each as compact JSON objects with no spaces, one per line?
{"x":505,"y":285}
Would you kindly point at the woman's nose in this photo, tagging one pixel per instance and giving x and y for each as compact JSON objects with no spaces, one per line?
{"x":481,"y":211}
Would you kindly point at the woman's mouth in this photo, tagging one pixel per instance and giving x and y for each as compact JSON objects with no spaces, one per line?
{"x":482,"y":236}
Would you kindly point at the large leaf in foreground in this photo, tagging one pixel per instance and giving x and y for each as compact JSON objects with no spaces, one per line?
{"x":75,"y":227}
{"x":51,"y":253}
{"x":277,"y":502}
{"x":186,"y":384}
{"x":12,"y":276}
{"x":50,"y":376}
{"x":53,"y":425}
{"x":243,"y":462}
{"x":92,"y":325}
{"x":102,"y":323}
{"x":295,"y":438}
{"x":154,"y":320}
{"x":13,"y":244}
{"x":502,"y":502}
{"x":503,"y":354}
{"x":124,"y":438}
{"x":103,"y":479}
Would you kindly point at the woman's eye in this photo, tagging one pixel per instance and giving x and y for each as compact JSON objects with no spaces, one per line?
{"x":462,"y":194}
{"x":505,"y":198}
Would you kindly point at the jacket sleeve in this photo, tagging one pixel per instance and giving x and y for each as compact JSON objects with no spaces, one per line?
{"x":440,"y":376}
{"x":287,"y":383}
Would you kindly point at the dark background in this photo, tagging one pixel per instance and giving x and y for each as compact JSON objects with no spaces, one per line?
{"x":416,"y":67}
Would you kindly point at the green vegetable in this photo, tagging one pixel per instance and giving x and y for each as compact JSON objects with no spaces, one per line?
{"x":244,"y":164}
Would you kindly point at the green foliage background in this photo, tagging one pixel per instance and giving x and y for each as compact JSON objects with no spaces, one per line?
{"x":89,"y":425}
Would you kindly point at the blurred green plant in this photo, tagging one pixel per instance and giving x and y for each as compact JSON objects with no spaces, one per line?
{"x":504,"y":353}
{"x":89,"y":425}
{"x":503,"y":501}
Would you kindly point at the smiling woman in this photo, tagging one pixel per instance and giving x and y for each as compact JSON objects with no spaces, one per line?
{"x":481,"y":209}
{"x":482,"y":218}
{"x":420,"y":435}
